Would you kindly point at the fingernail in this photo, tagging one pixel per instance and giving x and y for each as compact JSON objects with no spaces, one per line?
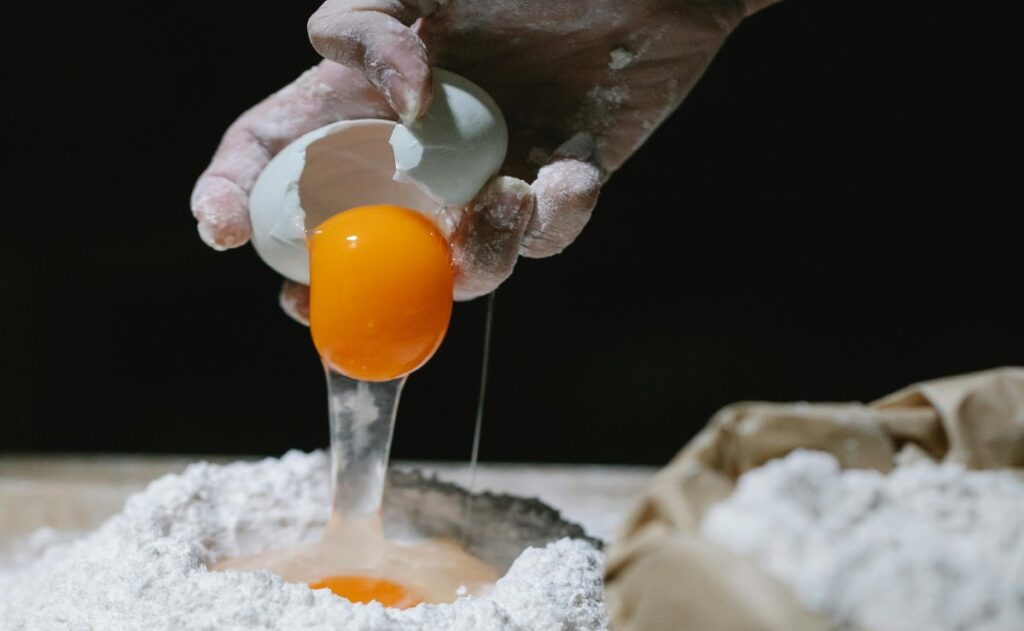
{"x":507,"y":204}
{"x":294,"y":301}
{"x":222,"y":215}
{"x":404,"y":99}
{"x":206,"y":234}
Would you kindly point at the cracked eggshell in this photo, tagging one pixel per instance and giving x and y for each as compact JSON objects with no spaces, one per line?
{"x":327,"y":171}
{"x":435,"y":166}
{"x":457,"y":146}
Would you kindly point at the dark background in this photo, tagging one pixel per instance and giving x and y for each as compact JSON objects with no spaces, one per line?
{"x":829,"y":216}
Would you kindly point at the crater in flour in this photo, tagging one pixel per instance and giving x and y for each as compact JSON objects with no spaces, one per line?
{"x":146,"y":567}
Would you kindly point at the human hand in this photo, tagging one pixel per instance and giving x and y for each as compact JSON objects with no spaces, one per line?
{"x":581,"y":84}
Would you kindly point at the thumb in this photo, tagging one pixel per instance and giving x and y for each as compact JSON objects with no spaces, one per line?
{"x":487,"y":238}
{"x":373,"y":36}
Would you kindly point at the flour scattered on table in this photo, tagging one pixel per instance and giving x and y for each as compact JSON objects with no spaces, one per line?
{"x":145,"y":568}
{"x":927,"y":547}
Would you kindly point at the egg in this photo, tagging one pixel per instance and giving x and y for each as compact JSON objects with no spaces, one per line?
{"x":331,"y":169}
{"x":434,"y":167}
{"x":361,"y":212}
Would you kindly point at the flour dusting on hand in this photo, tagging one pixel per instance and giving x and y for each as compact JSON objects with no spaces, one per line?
{"x":620,"y":58}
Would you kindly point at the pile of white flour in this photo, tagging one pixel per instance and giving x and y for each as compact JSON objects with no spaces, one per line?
{"x":926,"y":547}
{"x":146,"y":567}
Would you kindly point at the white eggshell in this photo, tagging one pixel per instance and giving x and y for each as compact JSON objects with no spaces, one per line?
{"x":331,"y":169}
{"x":435,"y":166}
{"x":457,"y":146}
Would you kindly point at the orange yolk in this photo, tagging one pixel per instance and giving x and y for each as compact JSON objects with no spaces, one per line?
{"x":363,"y":589}
{"x":381,"y":281}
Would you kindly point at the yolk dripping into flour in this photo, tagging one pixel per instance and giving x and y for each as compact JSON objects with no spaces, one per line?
{"x":363,"y":589}
{"x":381,"y":281}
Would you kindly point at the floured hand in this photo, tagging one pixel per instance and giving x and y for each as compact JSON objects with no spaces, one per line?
{"x":582,"y":84}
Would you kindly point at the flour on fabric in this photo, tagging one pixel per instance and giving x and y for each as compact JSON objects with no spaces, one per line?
{"x":928,"y":546}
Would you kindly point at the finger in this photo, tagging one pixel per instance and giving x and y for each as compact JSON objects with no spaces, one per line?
{"x":566,"y":191}
{"x":294,"y":301}
{"x":751,"y":7}
{"x":487,"y":238}
{"x":325,"y":94}
{"x":373,"y":36}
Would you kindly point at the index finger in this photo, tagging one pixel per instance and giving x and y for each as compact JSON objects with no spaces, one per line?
{"x":322,"y":95}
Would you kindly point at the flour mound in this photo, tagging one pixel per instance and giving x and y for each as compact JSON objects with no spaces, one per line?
{"x":926,"y":547}
{"x":145,"y":568}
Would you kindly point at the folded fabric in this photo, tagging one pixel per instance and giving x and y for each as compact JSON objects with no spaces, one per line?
{"x":661,"y":575}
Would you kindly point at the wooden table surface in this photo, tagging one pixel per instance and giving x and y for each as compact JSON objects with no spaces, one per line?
{"x":73,"y":492}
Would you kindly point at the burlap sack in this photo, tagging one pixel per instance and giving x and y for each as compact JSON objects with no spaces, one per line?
{"x":662,"y":576}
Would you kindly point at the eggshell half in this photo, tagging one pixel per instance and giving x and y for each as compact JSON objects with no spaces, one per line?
{"x":326,"y":171}
{"x":457,"y":146}
{"x":435,"y":166}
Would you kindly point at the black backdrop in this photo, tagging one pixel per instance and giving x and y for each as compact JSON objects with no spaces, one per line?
{"x":827,"y":217}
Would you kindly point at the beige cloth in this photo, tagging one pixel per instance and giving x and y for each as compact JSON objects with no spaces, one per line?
{"x":662,"y":576}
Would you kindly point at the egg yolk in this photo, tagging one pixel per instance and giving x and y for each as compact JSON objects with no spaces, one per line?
{"x":381,"y":282}
{"x":363,"y":589}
